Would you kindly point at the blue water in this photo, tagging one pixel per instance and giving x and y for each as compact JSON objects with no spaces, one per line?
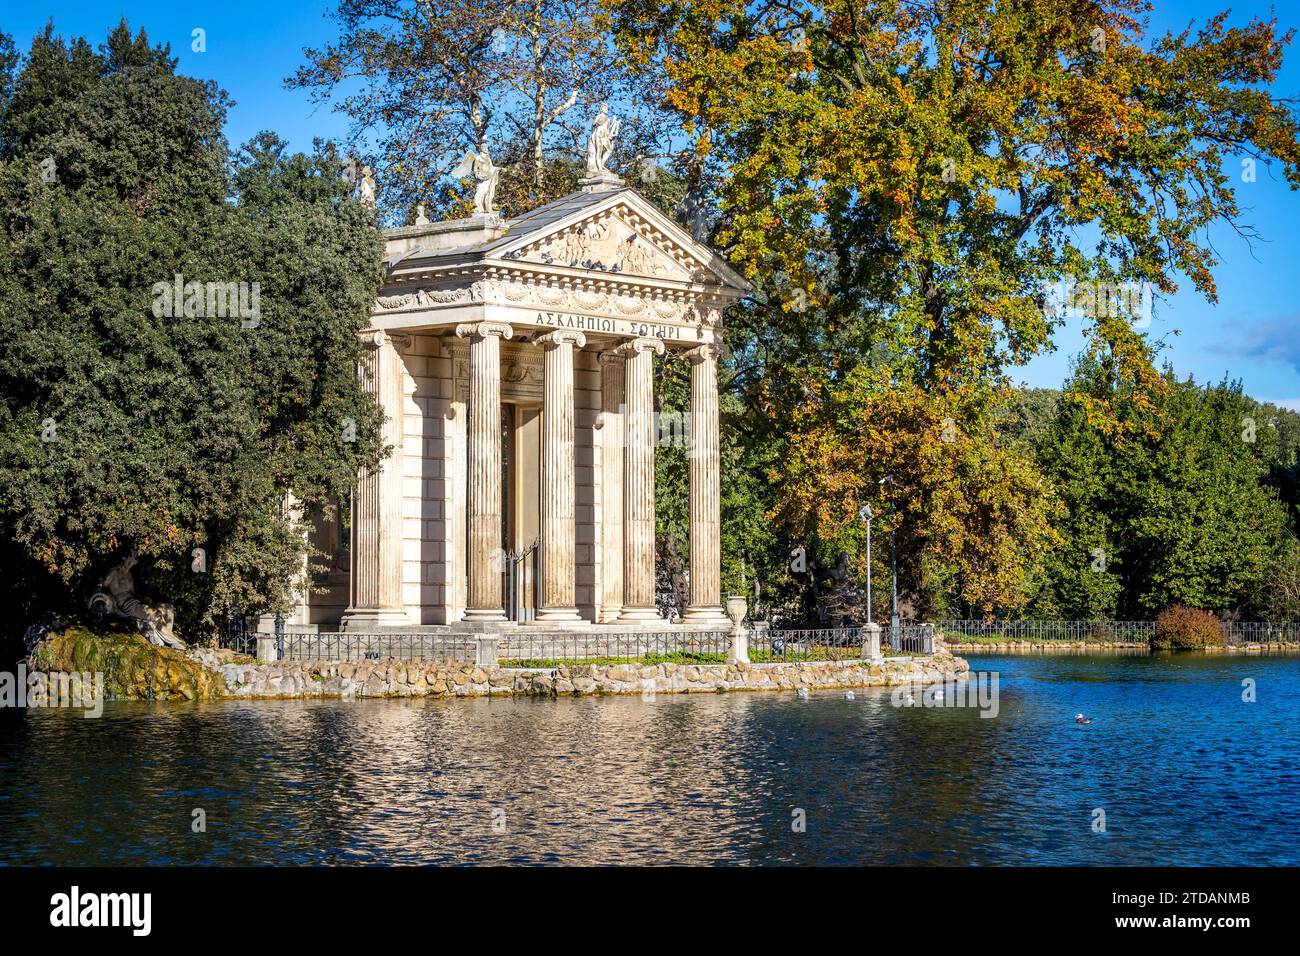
{"x":1185,"y":771}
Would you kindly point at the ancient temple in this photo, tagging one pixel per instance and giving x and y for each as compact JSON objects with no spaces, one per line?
{"x":514,"y":362}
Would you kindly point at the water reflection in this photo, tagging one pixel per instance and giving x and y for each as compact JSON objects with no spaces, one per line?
{"x":1186,"y":772}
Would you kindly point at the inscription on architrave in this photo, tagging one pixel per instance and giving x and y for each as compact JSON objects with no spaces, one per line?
{"x":595,"y":323}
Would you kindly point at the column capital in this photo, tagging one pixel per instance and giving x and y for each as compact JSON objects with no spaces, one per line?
{"x":642,"y":344}
{"x":549,"y":340}
{"x":483,"y":329}
{"x":704,"y":353}
{"x":610,"y":356}
{"x":378,"y":338}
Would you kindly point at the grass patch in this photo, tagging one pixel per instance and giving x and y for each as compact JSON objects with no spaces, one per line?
{"x":800,"y":657}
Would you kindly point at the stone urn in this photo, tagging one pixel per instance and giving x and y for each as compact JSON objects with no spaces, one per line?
{"x":737,"y":608}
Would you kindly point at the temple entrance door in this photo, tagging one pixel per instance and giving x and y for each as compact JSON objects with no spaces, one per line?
{"x":521,"y":445}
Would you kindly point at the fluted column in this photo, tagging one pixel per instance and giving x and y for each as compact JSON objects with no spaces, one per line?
{"x":559,"y":485}
{"x":483,"y":593}
{"x":375,"y":586}
{"x":705,"y":464}
{"x":639,"y":483}
{"x":611,"y":485}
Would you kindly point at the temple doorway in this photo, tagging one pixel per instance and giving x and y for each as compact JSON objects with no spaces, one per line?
{"x":521,"y":444}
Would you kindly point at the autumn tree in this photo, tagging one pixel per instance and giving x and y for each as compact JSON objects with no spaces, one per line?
{"x":921,"y":191}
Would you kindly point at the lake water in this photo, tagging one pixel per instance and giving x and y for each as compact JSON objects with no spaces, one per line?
{"x":1185,"y":771}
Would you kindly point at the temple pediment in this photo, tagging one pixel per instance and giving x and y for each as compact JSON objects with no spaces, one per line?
{"x":605,"y":261}
{"x":619,"y":234}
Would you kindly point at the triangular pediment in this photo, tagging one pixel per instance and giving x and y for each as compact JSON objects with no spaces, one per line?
{"x":615,"y":233}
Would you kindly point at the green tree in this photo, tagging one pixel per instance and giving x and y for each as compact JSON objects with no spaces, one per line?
{"x":423,"y":80}
{"x":1179,"y":512}
{"x":134,"y":424}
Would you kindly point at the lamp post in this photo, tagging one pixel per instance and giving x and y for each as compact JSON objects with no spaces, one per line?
{"x":866,"y":514}
{"x":895,"y":628}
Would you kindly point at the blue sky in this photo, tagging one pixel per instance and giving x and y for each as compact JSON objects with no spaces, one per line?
{"x":1251,"y":334}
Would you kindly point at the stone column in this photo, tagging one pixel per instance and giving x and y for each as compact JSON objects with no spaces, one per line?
{"x":375,"y":598}
{"x":558,"y":482}
{"x":705,"y":603}
{"x":483,"y":487}
{"x":612,"y":437}
{"x":639,"y":483}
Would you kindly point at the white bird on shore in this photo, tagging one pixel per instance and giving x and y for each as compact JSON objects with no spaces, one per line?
{"x":802,"y":693}
{"x":1080,"y":719}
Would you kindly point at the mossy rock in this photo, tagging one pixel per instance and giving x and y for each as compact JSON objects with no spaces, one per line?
{"x":133,"y":668}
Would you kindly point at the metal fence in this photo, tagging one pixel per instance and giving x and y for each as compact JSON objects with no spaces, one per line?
{"x":522,"y":648}
{"x":1137,"y":632}
{"x":519,"y":577}
{"x":805,"y":644}
{"x":1114,"y":632}
{"x":236,"y":635}
{"x":911,"y":639}
{"x":354,"y":646}
{"x":1261,"y":632}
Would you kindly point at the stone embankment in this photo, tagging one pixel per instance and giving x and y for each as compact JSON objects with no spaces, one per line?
{"x":246,"y":678}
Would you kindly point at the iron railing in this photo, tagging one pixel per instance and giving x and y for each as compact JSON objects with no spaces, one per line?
{"x":1097,"y":632}
{"x":523,"y":648}
{"x":1261,"y":632}
{"x":1235,"y":633}
{"x":519,"y":582}
{"x":355,"y":646}
{"x":911,"y":639}
{"x":236,"y":635}
{"x":805,"y":644}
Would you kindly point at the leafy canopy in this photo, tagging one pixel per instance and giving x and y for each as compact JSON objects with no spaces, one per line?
{"x":128,"y":429}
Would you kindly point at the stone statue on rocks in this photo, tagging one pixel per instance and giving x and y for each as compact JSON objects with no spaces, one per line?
{"x":116,"y":596}
{"x":479,"y":164}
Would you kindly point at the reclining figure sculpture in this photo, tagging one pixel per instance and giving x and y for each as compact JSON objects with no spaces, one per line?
{"x":116,"y":595}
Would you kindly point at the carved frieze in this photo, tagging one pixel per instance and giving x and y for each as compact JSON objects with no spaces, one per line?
{"x":427,"y":298}
{"x":607,"y":244}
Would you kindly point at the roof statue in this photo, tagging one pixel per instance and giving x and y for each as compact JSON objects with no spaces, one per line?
{"x":479,"y":164}
{"x":600,"y":143}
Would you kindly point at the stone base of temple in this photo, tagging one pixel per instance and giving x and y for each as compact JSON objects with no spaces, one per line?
{"x":465,"y":627}
{"x":482,"y":616}
{"x":581,"y":626}
{"x":561,"y":616}
{"x":707,"y":614}
{"x":640,"y":615}
{"x":373,"y":618}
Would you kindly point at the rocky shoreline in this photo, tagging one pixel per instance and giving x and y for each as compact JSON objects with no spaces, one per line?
{"x":247,"y":679}
{"x":134,"y":669}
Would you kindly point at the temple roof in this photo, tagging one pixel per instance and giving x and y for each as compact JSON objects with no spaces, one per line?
{"x":615,"y":232}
